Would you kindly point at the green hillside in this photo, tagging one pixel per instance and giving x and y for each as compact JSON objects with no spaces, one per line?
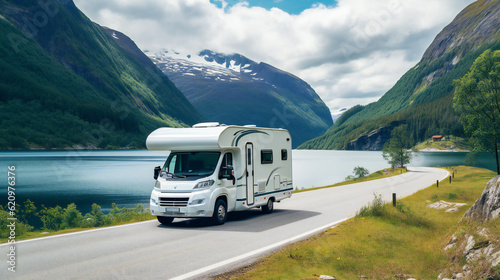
{"x":422,"y":98}
{"x":71,"y":85}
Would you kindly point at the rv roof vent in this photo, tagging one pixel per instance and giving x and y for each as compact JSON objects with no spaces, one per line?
{"x":206,"y":124}
{"x":250,"y":125}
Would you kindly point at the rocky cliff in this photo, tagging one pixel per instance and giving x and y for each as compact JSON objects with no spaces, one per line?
{"x":487,"y":207}
{"x":374,"y":140}
{"x":476,"y":248}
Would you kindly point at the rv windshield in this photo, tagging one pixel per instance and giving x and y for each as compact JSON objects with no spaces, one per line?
{"x":191,"y":163}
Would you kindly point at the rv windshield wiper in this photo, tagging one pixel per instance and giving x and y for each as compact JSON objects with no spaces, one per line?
{"x":205,"y":174}
{"x":175,"y":175}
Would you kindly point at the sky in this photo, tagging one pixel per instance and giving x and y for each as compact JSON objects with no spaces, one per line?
{"x":293,"y":7}
{"x":350,"y":51}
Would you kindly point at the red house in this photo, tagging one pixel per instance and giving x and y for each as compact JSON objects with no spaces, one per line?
{"x":437,"y":138}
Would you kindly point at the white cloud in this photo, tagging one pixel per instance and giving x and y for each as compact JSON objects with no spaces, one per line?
{"x":351,"y":53}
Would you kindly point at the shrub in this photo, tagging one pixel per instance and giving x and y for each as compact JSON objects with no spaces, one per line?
{"x":401,"y":214}
{"x":360,"y":171}
{"x":21,"y":228}
{"x":96,"y":218}
{"x":375,"y":208}
{"x":28,"y":215}
{"x":72,"y":217}
{"x":52,"y":217}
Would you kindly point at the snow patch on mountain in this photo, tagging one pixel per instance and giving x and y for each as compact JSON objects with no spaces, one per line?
{"x":207,"y":64}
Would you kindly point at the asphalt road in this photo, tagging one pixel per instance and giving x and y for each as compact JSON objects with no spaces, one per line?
{"x":194,"y":248}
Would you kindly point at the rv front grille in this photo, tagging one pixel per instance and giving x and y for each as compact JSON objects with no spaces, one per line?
{"x":174,"y":201}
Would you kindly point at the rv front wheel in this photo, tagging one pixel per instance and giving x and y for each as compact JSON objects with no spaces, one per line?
{"x":220,"y":212}
{"x":164,"y":220}
{"x":268,"y":208}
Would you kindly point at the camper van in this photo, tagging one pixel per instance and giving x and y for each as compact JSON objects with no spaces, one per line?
{"x":213,"y":169}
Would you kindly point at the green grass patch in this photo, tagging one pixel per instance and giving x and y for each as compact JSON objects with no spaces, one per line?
{"x":384,"y":173}
{"x":381,"y":241}
{"x":450,"y":143}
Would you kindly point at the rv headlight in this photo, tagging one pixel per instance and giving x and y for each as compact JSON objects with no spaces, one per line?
{"x":157,"y":185}
{"x":204,"y":184}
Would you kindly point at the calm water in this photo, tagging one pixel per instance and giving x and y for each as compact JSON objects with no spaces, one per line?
{"x":126,"y":177}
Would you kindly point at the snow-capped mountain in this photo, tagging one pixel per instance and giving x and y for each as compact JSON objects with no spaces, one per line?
{"x":233,"y":89}
{"x":207,"y":64}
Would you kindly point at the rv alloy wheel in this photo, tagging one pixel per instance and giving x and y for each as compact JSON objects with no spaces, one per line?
{"x":220,"y":212}
{"x":268,"y":208}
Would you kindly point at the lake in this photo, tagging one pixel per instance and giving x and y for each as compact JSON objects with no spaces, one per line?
{"x":125,"y":177}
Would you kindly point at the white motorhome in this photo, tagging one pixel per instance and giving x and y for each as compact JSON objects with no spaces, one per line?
{"x":213,"y":169}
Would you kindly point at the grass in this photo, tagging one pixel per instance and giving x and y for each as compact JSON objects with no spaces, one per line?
{"x":381,"y":241}
{"x":384,"y":173}
{"x":458,"y":143}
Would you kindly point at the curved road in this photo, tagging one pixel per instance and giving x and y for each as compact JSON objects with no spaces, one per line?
{"x":195,"y":249}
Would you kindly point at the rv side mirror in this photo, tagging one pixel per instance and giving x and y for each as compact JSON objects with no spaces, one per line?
{"x":227,"y":173}
{"x":157,"y":172}
{"x":231,"y":177}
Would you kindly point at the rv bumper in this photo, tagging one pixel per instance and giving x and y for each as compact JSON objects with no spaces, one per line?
{"x":181,"y":205}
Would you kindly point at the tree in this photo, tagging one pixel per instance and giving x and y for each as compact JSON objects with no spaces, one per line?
{"x":477,"y":102}
{"x":396,"y":149}
{"x":360,"y":171}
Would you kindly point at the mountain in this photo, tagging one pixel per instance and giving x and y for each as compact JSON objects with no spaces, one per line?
{"x":234,"y":89}
{"x":422,"y":98}
{"x":67,"y":82}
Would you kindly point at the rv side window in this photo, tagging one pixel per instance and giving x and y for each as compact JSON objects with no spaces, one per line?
{"x":226,"y":168}
{"x":227,"y":160}
{"x":249,"y":156}
{"x":266,"y":156}
{"x":171,"y":166}
{"x":284,"y":154}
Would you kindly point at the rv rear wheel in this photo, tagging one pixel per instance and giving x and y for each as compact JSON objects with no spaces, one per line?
{"x":164,"y":220}
{"x":220,"y":212}
{"x":268,"y":208}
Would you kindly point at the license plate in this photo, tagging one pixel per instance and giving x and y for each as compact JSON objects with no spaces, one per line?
{"x":173,"y":210}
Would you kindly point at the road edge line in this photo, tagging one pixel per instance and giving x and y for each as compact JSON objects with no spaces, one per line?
{"x":74,"y":233}
{"x":258,"y":251}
